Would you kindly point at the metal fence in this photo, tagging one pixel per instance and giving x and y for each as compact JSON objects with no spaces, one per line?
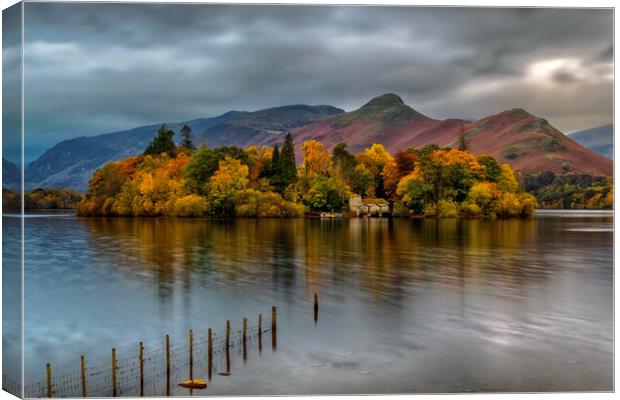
{"x":158,"y":371}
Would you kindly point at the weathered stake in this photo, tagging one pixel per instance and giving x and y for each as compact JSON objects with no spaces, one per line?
{"x":191,"y":356}
{"x":141,"y":359}
{"x":83,"y":375}
{"x":245,"y":339}
{"x":316,"y":307}
{"x":274,"y":327}
{"x":210,"y":351}
{"x":260,"y":333}
{"x":113,"y":372}
{"x":48,"y":369}
{"x":227,"y":347}
{"x":167,"y":365}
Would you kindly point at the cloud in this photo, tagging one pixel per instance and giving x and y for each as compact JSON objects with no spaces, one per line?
{"x":99,"y":67}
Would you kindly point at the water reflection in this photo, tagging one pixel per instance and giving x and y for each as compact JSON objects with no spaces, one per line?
{"x":448,"y":293}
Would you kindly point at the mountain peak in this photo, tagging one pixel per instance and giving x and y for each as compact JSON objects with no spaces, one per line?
{"x":385,"y":100}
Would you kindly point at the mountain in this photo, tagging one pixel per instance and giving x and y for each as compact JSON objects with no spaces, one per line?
{"x":11,"y":176}
{"x":527,"y":142}
{"x":385,"y":119}
{"x":599,"y":139}
{"x":264,"y":126}
{"x":531,"y":144}
{"x":71,"y":163}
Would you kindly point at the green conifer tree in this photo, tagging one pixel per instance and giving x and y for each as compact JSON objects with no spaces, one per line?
{"x":162,"y":143}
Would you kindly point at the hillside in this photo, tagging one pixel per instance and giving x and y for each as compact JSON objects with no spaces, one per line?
{"x":599,"y":139}
{"x":11,"y":176}
{"x":526,"y":142}
{"x":71,"y":163}
{"x":530,"y":144}
{"x":385,"y":119}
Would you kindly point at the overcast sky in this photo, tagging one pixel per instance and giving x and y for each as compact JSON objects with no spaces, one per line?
{"x":96,"y":68}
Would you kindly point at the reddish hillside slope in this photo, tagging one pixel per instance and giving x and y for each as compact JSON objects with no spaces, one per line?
{"x":528,"y":143}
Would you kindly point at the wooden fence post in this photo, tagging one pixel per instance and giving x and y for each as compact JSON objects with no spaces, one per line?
{"x":227,"y":347}
{"x":191,"y":356}
{"x":113,"y":372}
{"x":274,"y":327}
{"x":48,"y":370}
{"x":83,"y":375}
{"x":167,"y":365}
{"x":260,"y":333}
{"x":316,"y":307}
{"x":245,"y":339}
{"x":141,"y":359}
{"x":210,"y":353}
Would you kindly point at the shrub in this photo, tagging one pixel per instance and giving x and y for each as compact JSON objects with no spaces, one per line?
{"x":470,"y":209}
{"x":189,"y":206}
{"x":446,"y":209}
{"x":528,"y":204}
{"x":400,"y":210}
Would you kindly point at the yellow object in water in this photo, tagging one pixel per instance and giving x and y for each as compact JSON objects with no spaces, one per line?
{"x":194,"y":384}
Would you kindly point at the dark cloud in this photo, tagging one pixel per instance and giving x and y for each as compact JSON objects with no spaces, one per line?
{"x":97,"y":67}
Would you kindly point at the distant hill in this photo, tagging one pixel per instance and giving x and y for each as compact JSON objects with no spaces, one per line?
{"x":599,"y":139}
{"x":11,"y":176}
{"x":527,"y":142}
{"x":71,"y":163}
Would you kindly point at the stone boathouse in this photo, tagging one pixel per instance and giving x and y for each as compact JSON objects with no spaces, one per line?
{"x":368,"y":207}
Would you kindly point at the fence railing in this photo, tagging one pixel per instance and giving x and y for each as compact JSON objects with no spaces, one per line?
{"x":159,"y":371}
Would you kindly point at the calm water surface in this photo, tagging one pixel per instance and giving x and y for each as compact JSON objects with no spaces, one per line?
{"x":406,"y":305}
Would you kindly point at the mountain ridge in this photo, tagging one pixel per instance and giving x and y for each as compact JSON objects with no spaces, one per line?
{"x":527,"y":142}
{"x":600,"y":139}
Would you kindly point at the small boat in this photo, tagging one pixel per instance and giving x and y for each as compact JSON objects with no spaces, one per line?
{"x":194,"y":384}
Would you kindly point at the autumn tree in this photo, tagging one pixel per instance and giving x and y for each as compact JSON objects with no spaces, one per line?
{"x":206,"y":161}
{"x":230,"y":178}
{"x":316,"y":159}
{"x":323,"y":195}
{"x":374,"y":159}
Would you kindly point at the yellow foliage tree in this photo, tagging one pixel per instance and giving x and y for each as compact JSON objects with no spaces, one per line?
{"x":316,"y":159}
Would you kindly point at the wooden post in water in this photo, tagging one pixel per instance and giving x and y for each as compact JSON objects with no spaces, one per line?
{"x":210,"y":353}
{"x":113,"y":372}
{"x":48,"y":370}
{"x":245,"y":339}
{"x":227,"y":347}
{"x":83,"y":375}
{"x":316,"y":307}
{"x":167,"y":365}
{"x":274,"y":327}
{"x":141,"y":360}
{"x":260,"y":333}
{"x":191,"y":356}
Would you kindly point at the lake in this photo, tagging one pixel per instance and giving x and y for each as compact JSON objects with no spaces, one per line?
{"x":422,"y":306}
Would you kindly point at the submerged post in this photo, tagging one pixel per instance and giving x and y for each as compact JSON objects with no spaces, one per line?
{"x":48,"y":371}
{"x":167,"y":365}
{"x":260,"y":333}
{"x":210,"y":353}
{"x":245,"y":339}
{"x":316,"y":307}
{"x":274,"y":327}
{"x":83,"y":374}
{"x":141,"y":360}
{"x":113,"y":372}
{"x":191,"y":356}
{"x":227,"y":347}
